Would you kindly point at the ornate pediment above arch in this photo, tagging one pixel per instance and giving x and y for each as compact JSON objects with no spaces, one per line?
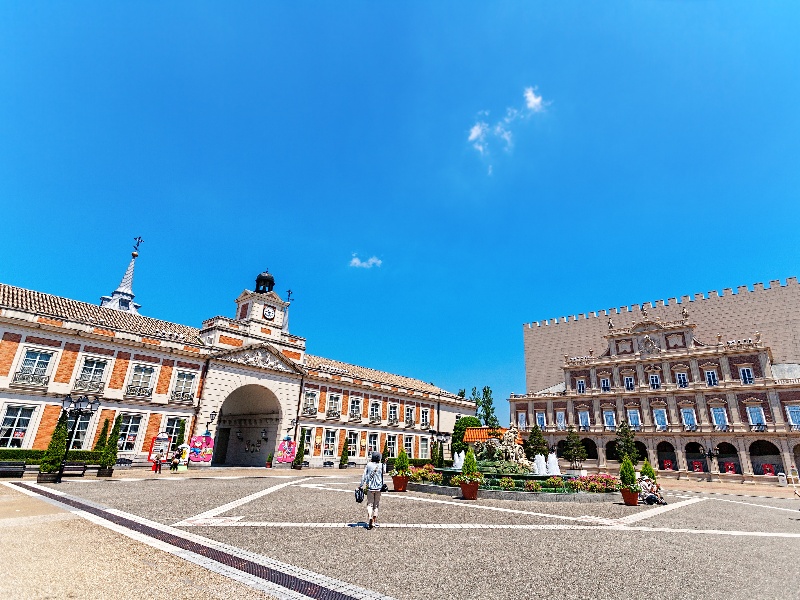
{"x":680,"y":367}
{"x":652,"y":369}
{"x":263,"y":356}
{"x":716,"y":401}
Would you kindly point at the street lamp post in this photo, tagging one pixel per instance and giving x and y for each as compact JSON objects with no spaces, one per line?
{"x":710,"y":454}
{"x":74,"y":409}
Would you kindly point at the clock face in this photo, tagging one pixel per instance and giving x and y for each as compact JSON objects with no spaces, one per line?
{"x":269,"y":313}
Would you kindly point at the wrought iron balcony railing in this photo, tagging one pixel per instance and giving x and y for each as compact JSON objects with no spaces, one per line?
{"x":182,"y":397}
{"x":309,"y":411}
{"x":355,"y":416}
{"x":758,"y":426}
{"x":725,"y":427}
{"x":89,"y":385}
{"x":139,"y":391}
{"x":332,"y":413}
{"x":425,"y":424}
{"x":31,"y":379}
{"x":393,"y":421}
{"x":689,"y":427}
{"x":410,"y":423}
{"x":374,"y":419}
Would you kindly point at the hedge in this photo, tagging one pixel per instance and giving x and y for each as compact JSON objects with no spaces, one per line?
{"x":34,"y":457}
{"x":416,"y":462}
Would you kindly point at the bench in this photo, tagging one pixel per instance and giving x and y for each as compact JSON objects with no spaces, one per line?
{"x":74,"y":469}
{"x":123,"y":463}
{"x":12,"y":468}
{"x":328,"y":464}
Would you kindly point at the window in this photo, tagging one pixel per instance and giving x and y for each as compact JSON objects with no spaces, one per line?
{"x":793,"y":412}
{"x":719,"y":416}
{"x":746,"y":374}
{"x":334,"y":403}
{"x":408,"y":445}
{"x":173,"y":425}
{"x":310,"y":403}
{"x":352,"y":443}
{"x":355,"y":407}
{"x":711,"y":378}
{"x":655,"y":382}
{"x":76,"y":443}
{"x":756,"y":415}
{"x":423,"y":447}
{"x":409,"y":414}
{"x":629,"y":383}
{"x":583,"y":420}
{"x":307,"y":442}
{"x":391,"y":445}
{"x":609,"y":419}
{"x":660,"y":417}
{"x":375,"y":411}
{"x":329,"y":446}
{"x":14,"y":426}
{"x":91,"y":375}
{"x":682,"y":379}
{"x":689,"y":419}
{"x":393,"y":410}
{"x":634,"y":419}
{"x":561,"y":420}
{"x":581,"y":386}
{"x":142,"y":376}
{"x":184,"y":382}
{"x":522,"y":421}
{"x":129,"y":432}
{"x":426,"y":419}
{"x":605,"y":384}
{"x":541,"y":420}
{"x":34,"y":368}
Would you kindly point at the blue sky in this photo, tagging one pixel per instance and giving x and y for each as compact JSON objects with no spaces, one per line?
{"x":502,"y":162}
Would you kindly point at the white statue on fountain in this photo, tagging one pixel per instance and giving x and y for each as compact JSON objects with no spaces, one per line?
{"x":508,"y":449}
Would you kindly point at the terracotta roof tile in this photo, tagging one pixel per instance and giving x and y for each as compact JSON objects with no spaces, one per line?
{"x":336,"y":367}
{"x":73,"y":310}
{"x":481,"y":434}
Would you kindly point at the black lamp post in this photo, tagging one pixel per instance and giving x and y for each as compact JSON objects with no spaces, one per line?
{"x":709,"y":454}
{"x":212,"y":417}
{"x":74,"y":409}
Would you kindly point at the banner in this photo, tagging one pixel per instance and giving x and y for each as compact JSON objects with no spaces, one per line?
{"x":286,"y":451}
{"x":201,"y":448}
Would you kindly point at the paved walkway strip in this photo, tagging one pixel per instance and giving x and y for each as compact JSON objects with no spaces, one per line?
{"x":281,"y":580}
{"x":660,"y":510}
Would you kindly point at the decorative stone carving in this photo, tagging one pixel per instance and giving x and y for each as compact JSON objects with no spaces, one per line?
{"x":675,"y":340}
{"x":258,"y":358}
{"x":649,"y":345}
{"x":624,"y":346}
{"x":684,"y":313}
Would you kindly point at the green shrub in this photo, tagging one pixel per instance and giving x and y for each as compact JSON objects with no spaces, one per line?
{"x":574,"y":451}
{"x":401,"y":465}
{"x":180,"y":437}
{"x":110,"y":451}
{"x":34,"y":457}
{"x":435,"y":478}
{"x":626,"y":443}
{"x":506,"y":483}
{"x":533,"y":486}
{"x":435,"y":454}
{"x":301,"y":450}
{"x":648,"y":470}
{"x":442,"y":462}
{"x":103,"y":439}
{"x":535,"y":444}
{"x":554,"y":482}
{"x":457,"y":443}
{"x":627,"y":475}
{"x":51,"y":461}
{"x":345,"y":457}
{"x":470,"y":464}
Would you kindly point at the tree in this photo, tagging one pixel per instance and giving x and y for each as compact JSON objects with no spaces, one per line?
{"x":648,"y":470}
{"x":625,"y":443}
{"x":385,"y":453}
{"x":574,"y":451}
{"x":462,"y":393}
{"x":51,"y":461}
{"x":109,"y":458}
{"x":457,"y":444}
{"x":435,"y":454}
{"x":485,"y":404}
{"x":103,"y":439}
{"x":401,"y":465}
{"x":345,"y":458}
{"x":300,"y":456}
{"x":470,"y":464}
{"x":440,"y":464}
{"x":180,"y":437}
{"x":627,"y":474}
{"x":535,"y":444}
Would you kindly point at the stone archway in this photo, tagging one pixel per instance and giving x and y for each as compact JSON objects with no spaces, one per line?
{"x":667,"y":459}
{"x":796,"y":455}
{"x":641,"y":451}
{"x":591,"y":448}
{"x":728,"y":457}
{"x":695,"y":460}
{"x":611,"y":451}
{"x":763,"y":453}
{"x":245,"y":416}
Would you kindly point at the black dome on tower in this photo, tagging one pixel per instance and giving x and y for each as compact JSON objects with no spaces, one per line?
{"x":265,"y":282}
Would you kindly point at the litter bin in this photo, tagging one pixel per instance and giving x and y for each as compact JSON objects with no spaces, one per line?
{"x":782,"y":480}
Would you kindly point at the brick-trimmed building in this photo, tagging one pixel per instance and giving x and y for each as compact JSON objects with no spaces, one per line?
{"x":716,"y":371}
{"x":249,"y":370}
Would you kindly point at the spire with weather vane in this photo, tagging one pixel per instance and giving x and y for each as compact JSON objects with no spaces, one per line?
{"x":122,"y":297}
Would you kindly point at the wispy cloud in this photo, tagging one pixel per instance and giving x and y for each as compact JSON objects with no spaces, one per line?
{"x":372,"y":261}
{"x":483,"y":136}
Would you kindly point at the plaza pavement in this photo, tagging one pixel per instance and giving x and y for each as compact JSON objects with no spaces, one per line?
{"x":703,"y":544}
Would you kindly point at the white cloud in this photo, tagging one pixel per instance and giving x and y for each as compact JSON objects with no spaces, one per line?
{"x":482,"y":136}
{"x":372,"y":261}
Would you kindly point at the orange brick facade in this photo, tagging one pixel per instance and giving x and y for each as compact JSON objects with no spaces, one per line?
{"x":230,"y":341}
{"x":120,"y":370}
{"x":67,"y":363}
{"x":47,"y":426}
{"x":165,"y":376}
{"x":8,"y":350}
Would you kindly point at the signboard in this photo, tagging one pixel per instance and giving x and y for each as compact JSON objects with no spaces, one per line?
{"x":183,"y":459}
{"x":201,"y":448}
{"x":286,"y":451}
{"x":159,"y":445}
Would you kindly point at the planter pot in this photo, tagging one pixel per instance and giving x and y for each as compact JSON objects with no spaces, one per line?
{"x":342,"y":466}
{"x":399,"y":483}
{"x":297,"y":467}
{"x":469,"y":491}
{"x":48,"y":478}
{"x":630,"y":498}
{"x":105,"y":471}
{"x":183,"y":468}
{"x":269,"y":465}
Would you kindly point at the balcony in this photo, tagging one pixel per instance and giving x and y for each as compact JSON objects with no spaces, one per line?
{"x":758,"y":426}
{"x":410,"y":423}
{"x":182,"y":397}
{"x":30,"y":379}
{"x":794,"y":427}
{"x":636,"y":427}
{"x":724,"y":427}
{"x":605,"y":388}
{"x":425,"y":424}
{"x":394,"y":421}
{"x":309,"y":411}
{"x":583,"y":428}
{"x":139,"y":391}
{"x":355,"y":415}
{"x":90,"y":386}
{"x":689,"y":427}
{"x":374,"y":419}
{"x":610,"y":428}
{"x":333,"y":413}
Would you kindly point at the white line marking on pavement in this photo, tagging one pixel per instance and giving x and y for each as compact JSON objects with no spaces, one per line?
{"x":654,"y":512}
{"x":276,"y":590}
{"x":241,"y":501}
{"x":792,"y":510}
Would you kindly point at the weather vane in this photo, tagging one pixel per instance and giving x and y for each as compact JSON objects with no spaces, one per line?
{"x":138,"y":241}
{"x":288,"y":295}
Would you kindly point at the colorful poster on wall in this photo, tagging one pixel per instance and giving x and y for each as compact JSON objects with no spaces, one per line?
{"x":286,"y":450}
{"x":202,"y":447}
{"x":184,"y":457}
{"x":159,"y":445}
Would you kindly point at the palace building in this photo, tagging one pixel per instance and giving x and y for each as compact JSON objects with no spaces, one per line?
{"x":246,"y":381}
{"x":716,"y":372}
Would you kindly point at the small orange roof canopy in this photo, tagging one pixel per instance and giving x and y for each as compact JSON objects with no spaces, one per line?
{"x":481,"y":434}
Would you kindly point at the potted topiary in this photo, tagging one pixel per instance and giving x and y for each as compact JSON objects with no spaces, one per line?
{"x":470,"y":478}
{"x":109,"y":456}
{"x":103,"y":439}
{"x":297,"y":463}
{"x":629,"y":488}
{"x":648,"y":470}
{"x":345,"y":458}
{"x":269,"y":460}
{"x":401,"y":473}
{"x":50,"y":466}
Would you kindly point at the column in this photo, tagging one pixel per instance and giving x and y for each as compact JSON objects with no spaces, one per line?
{"x":744,"y":456}
{"x":621,"y":416}
{"x":777,"y":410}
{"x":598,"y":416}
{"x":616,"y":380}
{"x":725,"y":367}
{"x":570,"y":412}
{"x":601,"y":453}
{"x":666,"y":374}
{"x":550,"y":416}
{"x":787,"y":455}
{"x":593,"y":377}
{"x":702,"y":411}
{"x":672,"y":408}
{"x":733,"y":411}
{"x":680,"y":453}
{"x":696,"y":376}
{"x":647,"y":418}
